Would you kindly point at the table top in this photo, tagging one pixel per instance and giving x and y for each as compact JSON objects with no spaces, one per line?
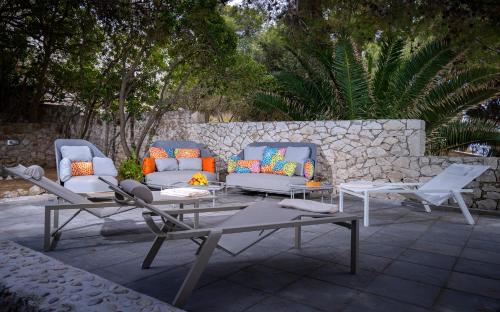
{"x":212,"y":186}
{"x":312,"y":188}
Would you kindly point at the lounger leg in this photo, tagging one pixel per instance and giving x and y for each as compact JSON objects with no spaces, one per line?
{"x":461,"y":203}
{"x":366,"y":209}
{"x":153,"y":251}
{"x":341,"y":200}
{"x":198,"y":267}
{"x":181,"y":216}
{"x":196,"y":222}
{"x":354,"y":246}
{"x":298,"y":237}
{"x":47,"y":229}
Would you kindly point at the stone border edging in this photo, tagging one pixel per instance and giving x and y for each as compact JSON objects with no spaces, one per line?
{"x":32,"y":281}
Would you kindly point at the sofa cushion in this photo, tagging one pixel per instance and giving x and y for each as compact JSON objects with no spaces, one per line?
{"x":76,"y":153}
{"x":309,"y":166}
{"x":173,"y":177}
{"x":264,"y":181}
{"x":88,"y":184}
{"x":232,"y":163}
{"x":190,"y":164}
{"x":65,"y":169}
{"x":248,"y":166}
{"x":166,"y":164}
{"x":298,"y":154}
{"x":284,"y":167}
{"x":157,"y":152}
{"x":187,"y":153}
{"x":254,"y":152}
{"x":104,"y":166}
{"x":81,"y":168}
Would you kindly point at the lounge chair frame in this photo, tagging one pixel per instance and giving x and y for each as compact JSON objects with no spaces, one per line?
{"x":208,"y":239}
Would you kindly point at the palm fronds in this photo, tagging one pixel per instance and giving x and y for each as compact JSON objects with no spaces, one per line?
{"x":459,"y":134}
{"x":388,"y":63}
{"x":272,"y":102}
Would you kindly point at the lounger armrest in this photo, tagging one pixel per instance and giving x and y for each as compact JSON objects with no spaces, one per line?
{"x":445,"y":191}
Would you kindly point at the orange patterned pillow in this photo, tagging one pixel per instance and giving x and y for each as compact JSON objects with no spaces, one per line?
{"x":81,"y":168}
{"x":157,"y":152}
{"x":187,"y":153}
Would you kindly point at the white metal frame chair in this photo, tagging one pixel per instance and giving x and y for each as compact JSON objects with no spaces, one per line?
{"x":449,"y":183}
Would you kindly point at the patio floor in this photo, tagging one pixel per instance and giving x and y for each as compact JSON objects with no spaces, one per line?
{"x":410,"y":261}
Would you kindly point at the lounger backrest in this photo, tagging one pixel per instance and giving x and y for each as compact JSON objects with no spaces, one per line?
{"x":454,"y":177}
{"x":49,"y":185}
{"x":180,"y":144}
{"x":73,"y":142}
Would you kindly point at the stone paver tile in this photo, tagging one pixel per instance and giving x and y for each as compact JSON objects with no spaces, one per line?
{"x":484,"y":244}
{"x":389,"y":239}
{"x":341,"y":275}
{"x":275,"y":304}
{"x":294,"y":263}
{"x":263,"y":278}
{"x":319,"y":294}
{"x":404,"y":290}
{"x":380,"y":249}
{"x":436,"y":247}
{"x":428,"y":258}
{"x":475,"y":284}
{"x":488,"y":270}
{"x":223,"y":296}
{"x":418,"y":273}
{"x":486,"y":236}
{"x":452,"y":300}
{"x":366,"y":262}
{"x":481,"y":255}
{"x":450,"y":238}
{"x":372,"y":303}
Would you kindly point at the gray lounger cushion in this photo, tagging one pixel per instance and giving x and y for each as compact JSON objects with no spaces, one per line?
{"x":263,"y":181}
{"x":65,"y":170}
{"x":137,"y":189}
{"x":89,"y":184}
{"x":174,"y":177}
{"x":76,"y":153}
{"x":35,"y":172}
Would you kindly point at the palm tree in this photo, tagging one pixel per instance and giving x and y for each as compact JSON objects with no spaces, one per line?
{"x":424,"y":85}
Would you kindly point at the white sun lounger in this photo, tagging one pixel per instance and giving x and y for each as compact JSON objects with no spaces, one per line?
{"x":449,"y":183}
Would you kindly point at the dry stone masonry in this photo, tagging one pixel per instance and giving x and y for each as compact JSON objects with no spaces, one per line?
{"x":31,"y":281}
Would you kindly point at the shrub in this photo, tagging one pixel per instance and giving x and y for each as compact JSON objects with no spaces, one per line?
{"x":130,"y":169}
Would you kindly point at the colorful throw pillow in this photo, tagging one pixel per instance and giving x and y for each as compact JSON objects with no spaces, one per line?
{"x":270,"y":157}
{"x":283,"y":167}
{"x":148,"y":165}
{"x":187,"y":153}
{"x":309,"y":169}
{"x":81,"y":168}
{"x":248,"y":166}
{"x":208,"y":164}
{"x":232,"y":163}
{"x":157,"y":152}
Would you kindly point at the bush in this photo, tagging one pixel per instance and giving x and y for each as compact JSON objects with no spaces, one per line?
{"x":130,"y":169}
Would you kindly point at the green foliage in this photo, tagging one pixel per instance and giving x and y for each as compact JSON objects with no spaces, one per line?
{"x":130,"y":168}
{"x":422,"y":85}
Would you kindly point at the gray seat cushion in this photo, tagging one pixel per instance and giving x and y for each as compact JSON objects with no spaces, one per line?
{"x":173,"y":177}
{"x":263,"y":181}
{"x":88,"y":184}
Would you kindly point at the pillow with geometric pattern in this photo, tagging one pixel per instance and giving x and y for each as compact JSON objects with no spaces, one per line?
{"x":283,"y":167}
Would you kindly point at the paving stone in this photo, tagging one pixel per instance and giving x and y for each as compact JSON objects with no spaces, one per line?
{"x":436,"y":247}
{"x":294,"y":263}
{"x":321,"y":295}
{"x":275,"y":304}
{"x":263,"y":278}
{"x":474,"y":284}
{"x":418,"y":273}
{"x":223,"y":296}
{"x":488,"y":270}
{"x":373,"y":303}
{"x":367,"y":262}
{"x":428,"y":258}
{"x":389,"y":239}
{"x":404,"y":290}
{"x":341,"y":275}
{"x":380,"y":249}
{"x":481,"y":255}
{"x":452,"y":300}
{"x":484,"y":244}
